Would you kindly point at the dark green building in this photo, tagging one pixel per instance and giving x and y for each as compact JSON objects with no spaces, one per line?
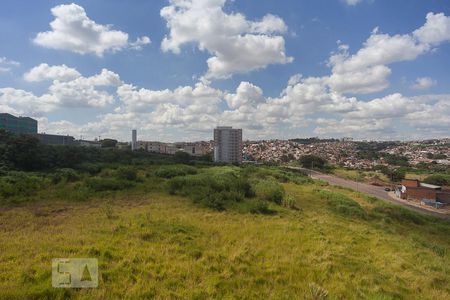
{"x":18,"y":124}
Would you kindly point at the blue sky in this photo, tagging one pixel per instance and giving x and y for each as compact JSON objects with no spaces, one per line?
{"x":370,"y":69}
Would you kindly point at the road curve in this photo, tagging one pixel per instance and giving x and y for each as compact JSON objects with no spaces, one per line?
{"x":367,"y":189}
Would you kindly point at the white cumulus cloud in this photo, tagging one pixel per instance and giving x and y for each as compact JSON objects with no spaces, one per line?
{"x":45,"y":72}
{"x":423,"y":83}
{"x":74,"y":31}
{"x":236,"y":44}
{"x":366,"y":71}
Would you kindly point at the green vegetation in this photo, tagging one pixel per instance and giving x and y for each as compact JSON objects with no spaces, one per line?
{"x":438,"y":179}
{"x":26,"y":153}
{"x":312,"y":162}
{"x":321,"y":241}
{"x":176,"y":170}
{"x":108,"y":143}
{"x":173,"y":231}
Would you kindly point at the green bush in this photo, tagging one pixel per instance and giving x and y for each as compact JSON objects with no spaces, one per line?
{"x":342,"y":204}
{"x":176,"y":170}
{"x":65,"y":175}
{"x":91,"y":168}
{"x":259,"y":207}
{"x":438,"y":179}
{"x":98,"y":184}
{"x":398,"y":213}
{"x":219,"y":200}
{"x":19,"y":184}
{"x":75,"y":192}
{"x":288,"y":202}
{"x":214,"y":191}
{"x":126,"y":173}
{"x":270,"y":190}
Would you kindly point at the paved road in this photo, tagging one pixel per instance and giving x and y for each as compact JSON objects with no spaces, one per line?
{"x":367,"y":189}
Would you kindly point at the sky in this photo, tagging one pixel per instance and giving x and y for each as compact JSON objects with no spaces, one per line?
{"x":175,"y":69}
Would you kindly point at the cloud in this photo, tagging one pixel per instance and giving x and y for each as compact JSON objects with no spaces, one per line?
{"x":45,"y":72}
{"x":391,"y":106}
{"x":68,"y":90}
{"x":21,"y":102}
{"x":6,"y":64}
{"x":423,"y":83}
{"x":322,"y":103}
{"x":72,"y":30}
{"x":198,"y":99}
{"x":366,"y":71}
{"x":236,"y":44}
{"x":85,"y":91}
{"x":435,"y":31}
{"x":352,"y":2}
{"x":247,"y":96}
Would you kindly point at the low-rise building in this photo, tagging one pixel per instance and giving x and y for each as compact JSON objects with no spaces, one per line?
{"x":414,"y":189}
{"x":93,"y":144}
{"x":194,"y":149}
{"x":55,"y":139}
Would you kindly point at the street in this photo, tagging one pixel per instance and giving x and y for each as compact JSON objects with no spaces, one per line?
{"x":376,"y":191}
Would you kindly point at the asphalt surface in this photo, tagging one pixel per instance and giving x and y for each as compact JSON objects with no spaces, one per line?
{"x":376,"y":191}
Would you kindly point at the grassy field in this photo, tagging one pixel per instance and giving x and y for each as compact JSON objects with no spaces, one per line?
{"x":361,"y":176}
{"x":153,"y":243}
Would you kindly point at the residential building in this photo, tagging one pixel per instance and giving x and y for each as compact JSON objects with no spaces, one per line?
{"x":227,"y":145}
{"x":134,"y":140}
{"x":18,"y":124}
{"x":414,"y":189}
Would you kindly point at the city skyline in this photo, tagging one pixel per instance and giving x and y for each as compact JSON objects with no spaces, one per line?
{"x":371,"y":69}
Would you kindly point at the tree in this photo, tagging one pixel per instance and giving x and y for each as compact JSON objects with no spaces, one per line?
{"x":312,"y":161}
{"x":395,"y":175}
{"x":438,"y":179}
{"x":182,"y":157}
{"x":24,"y":152}
{"x":108,"y":143}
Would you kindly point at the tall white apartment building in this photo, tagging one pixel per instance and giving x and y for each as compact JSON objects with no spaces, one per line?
{"x":134,"y":145}
{"x":227,"y":145}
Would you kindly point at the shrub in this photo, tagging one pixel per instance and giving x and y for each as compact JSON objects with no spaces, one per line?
{"x":173,"y":171}
{"x":91,"y":168}
{"x":182,"y":157}
{"x":213,"y":191}
{"x":398,"y":213}
{"x":270,"y":190}
{"x":98,"y":184}
{"x":126,"y":173}
{"x":245,"y":186}
{"x":259,"y":207}
{"x":312,"y":161}
{"x":288,"y":202}
{"x":66,"y":175}
{"x":76,"y":192}
{"x":438,"y":179}
{"x":343,"y":205}
{"x":17,"y":184}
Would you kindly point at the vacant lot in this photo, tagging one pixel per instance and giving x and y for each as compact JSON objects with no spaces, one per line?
{"x":155,"y":237}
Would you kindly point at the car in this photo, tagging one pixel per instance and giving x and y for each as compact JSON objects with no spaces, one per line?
{"x":387,"y":189}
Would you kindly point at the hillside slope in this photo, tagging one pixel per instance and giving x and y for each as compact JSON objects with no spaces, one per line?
{"x":154,"y":245}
